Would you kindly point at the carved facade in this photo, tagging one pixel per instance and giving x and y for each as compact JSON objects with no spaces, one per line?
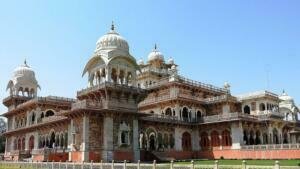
{"x":141,"y":111}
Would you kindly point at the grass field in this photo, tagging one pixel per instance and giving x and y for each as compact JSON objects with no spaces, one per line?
{"x":249,"y":162}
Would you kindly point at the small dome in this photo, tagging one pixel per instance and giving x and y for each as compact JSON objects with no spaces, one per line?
{"x":23,"y":80}
{"x":226,"y":85}
{"x":173,"y":67}
{"x":285,"y":97}
{"x":171,"y":61}
{"x":112,"y":40}
{"x":155,"y":55}
{"x":24,"y":71}
{"x":141,"y":62}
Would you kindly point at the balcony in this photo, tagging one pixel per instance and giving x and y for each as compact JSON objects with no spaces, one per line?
{"x":87,"y":104}
{"x":168,"y":97}
{"x":207,"y":119}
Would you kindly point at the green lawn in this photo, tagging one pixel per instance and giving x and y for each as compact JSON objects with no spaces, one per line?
{"x":249,"y":162}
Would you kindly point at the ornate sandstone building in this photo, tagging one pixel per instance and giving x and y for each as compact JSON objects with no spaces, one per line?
{"x":144,"y":111}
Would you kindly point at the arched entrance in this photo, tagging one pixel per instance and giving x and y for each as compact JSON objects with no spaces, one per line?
{"x":31,"y":143}
{"x":152,"y":142}
{"x":215,"y":140}
{"x":186,"y":141}
{"x":204,"y":142}
{"x":52,"y":140}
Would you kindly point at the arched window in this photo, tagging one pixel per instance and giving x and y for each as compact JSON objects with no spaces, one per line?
{"x":257,"y":138}
{"x":52,"y":140}
{"x":226,"y":138}
{"x":49,"y":113}
{"x":275,"y":136}
{"x":23,"y":143}
{"x":204,"y":142}
{"x":265,"y":138}
{"x":251,"y":139}
{"x":262,"y":107}
{"x":215,"y":140}
{"x":15,"y":144}
{"x":42,"y":115}
{"x":114,"y":75}
{"x":171,"y":141}
{"x":166,"y":140}
{"x":33,"y":118}
{"x":246,"y":109}
{"x":186,"y":141}
{"x":168,"y":112}
{"x":31,"y":143}
{"x":245,"y":138}
{"x":19,"y":144}
{"x":185,"y":114}
{"x":160,"y":140}
{"x":199,"y":115}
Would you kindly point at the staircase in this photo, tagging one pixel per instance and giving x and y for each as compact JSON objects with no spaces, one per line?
{"x":158,"y":156}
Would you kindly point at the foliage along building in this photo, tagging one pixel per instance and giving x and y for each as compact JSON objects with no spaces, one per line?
{"x":144,"y":111}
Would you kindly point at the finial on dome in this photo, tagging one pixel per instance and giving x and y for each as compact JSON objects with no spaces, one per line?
{"x":25,"y":62}
{"x":155,"y":46}
{"x":112,"y":26}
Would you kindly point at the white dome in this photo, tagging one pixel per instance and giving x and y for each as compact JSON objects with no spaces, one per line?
{"x":171,"y":61}
{"x":23,"y":71}
{"x":285,"y":97}
{"x":141,"y":62}
{"x":23,"y":79}
{"x":155,"y":55}
{"x":112,"y":40}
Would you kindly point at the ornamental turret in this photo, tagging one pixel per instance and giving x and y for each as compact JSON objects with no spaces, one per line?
{"x":23,"y":82}
{"x":111,"y":61}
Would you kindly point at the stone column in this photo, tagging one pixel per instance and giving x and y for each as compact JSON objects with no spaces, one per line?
{"x":177,"y":108}
{"x":108,"y":143}
{"x":27,"y":141}
{"x":178,"y":139}
{"x":70,"y":138}
{"x":6,"y":145}
{"x":85,"y":138}
{"x":135,"y":130}
{"x":36,"y":140}
{"x":237,"y":135}
{"x":195,"y":139}
{"x":28,"y":120}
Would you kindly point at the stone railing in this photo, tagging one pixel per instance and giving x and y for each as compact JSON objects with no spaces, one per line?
{"x":138,"y":165}
{"x":52,"y":118}
{"x":87,"y":104}
{"x":256,"y":94}
{"x":107,"y":84}
{"x":207,"y":119}
{"x":167,"y":97}
{"x":271,"y":147}
{"x":187,"y":81}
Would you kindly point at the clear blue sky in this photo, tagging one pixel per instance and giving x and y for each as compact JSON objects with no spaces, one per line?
{"x":212,"y":41}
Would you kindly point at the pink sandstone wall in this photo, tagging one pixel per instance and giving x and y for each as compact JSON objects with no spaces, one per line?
{"x":248,"y":154}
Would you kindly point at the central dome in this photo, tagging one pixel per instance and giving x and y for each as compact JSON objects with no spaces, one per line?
{"x":111,"y":41}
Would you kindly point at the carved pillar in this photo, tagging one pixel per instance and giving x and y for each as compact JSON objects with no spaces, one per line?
{"x":237,"y":135}
{"x":107,"y":153}
{"x":195,"y":139}
{"x":136,"y":140}
{"x":178,"y":139}
{"x":85,"y":138}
